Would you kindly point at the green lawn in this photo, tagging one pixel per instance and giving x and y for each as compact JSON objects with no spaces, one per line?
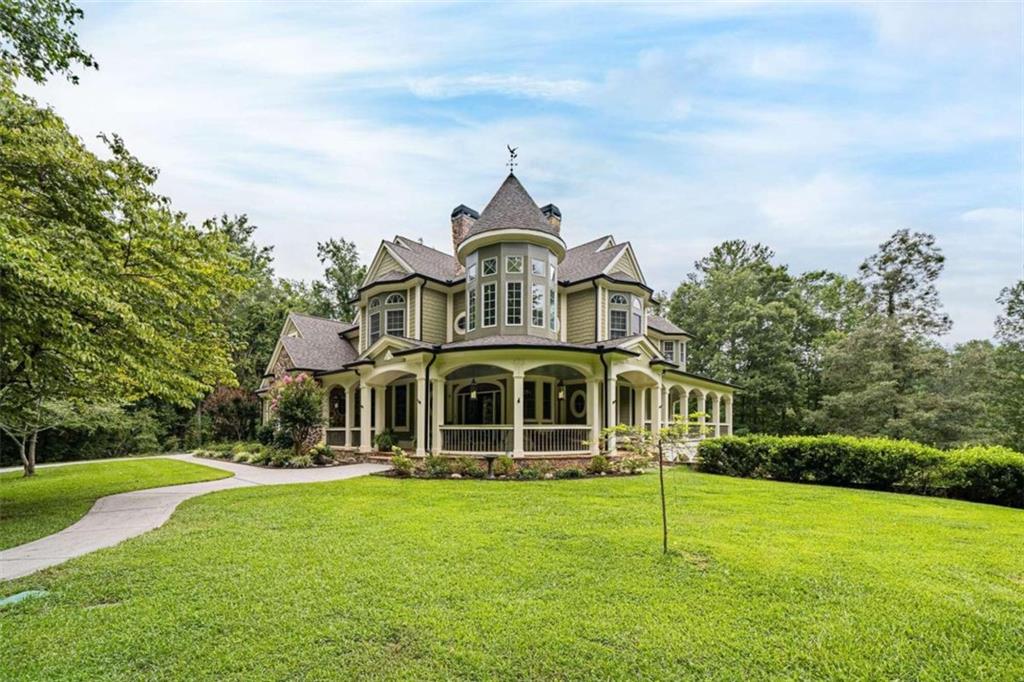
{"x":411,"y":579}
{"x":56,"y":497}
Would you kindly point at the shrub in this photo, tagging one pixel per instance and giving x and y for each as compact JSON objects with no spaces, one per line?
{"x":261,"y":457}
{"x":633,"y":464}
{"x":569,"y":472}
{"x":321,"y":454}
{"x":979,"y":474}
{"x":265,"y":433}
{"x":297,"y":403}
{"x":436,"y":467}
{"x":504,"y":466}
{"x":385,"y":440}
{"x":300,"y":462}
{"x":401,"y":462}
{"x":528,"y":473}
{"x":599,"y":465}
{"x":241,"y":457}
{"x":467,"y":466}
{"x":280,"y":458}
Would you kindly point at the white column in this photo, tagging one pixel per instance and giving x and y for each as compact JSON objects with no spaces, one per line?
{"x":702,"y":407}
{"x":716,"y":414}
{"x":379,"y":392}
{"x":594,"y":415}
{"x":728,"y":414}
{"x":641,"y":406}
{"x":350,"y":416}
{"x":365,"y":442}
{"x":517,"y":413}
{"x":421,"y":414}
{"x":613,"y":409}
{"x":325,"y":411}
{"x":684,"y":407}
{"x":436,"y":415}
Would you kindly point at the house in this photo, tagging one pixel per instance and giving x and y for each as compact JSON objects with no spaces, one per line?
{"x":514,"y":343}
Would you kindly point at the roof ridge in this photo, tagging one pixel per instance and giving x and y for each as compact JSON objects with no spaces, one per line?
{"x":425,"y":246}
{"x":317,"y":317}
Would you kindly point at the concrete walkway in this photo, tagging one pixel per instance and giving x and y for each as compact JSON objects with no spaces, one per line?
{"x":116,"y":518}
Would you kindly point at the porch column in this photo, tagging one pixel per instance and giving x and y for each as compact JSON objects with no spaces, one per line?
{"x":641,"y":407}
{"x":594,"y":415}
{"x":702,"y":407}
{"x":350,"y":416}
{"x":436,"y":415}
{"x":716,"y":413}
{"x":666,"y":404}
{"x":379,"y":424}
{"x":365,"y":442}
{"x":656,"y":398}
{"x":728,"y":414}
{"x":421,"y":415}
{"x":684,"y":407}
{"x":325,"y":412}
{"x":613,"y":410}
{"x":517,"y":413}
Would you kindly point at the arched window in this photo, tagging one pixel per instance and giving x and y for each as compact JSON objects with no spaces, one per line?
{"x":336,"y":401}
{"x":619,"y":299}
{"x":375,"y":304}
{"x":394,"y":299}
{"x":618,"y":316}
{"x":394,"y":315}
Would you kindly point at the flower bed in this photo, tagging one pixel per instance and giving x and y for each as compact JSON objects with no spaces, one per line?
{"x":989,"y":474}
{"x":259,"y":454}
{"x":508,"y":469}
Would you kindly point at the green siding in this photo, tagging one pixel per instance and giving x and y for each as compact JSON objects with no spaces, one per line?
{"x":580,"y":317}
{"x":435,"y":316}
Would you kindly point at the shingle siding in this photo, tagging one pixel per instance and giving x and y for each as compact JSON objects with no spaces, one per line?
{"x":580,"y":317}
{"x":435,"y":316}
{"x":627,"y":267}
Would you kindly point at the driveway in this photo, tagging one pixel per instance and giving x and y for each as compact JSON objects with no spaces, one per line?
{"x":116,"y":518}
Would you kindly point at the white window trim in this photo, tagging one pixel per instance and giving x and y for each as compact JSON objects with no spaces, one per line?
{"x":533,"y":318}
{"x":508,"y":308}
{"x":611,"y":328}
{"x":668,"y":349}
{"x":387,"y":326}
{"x":471,"y":304}
{"x":394,"y":299}
{"x":483,"y":267}
{"x":493,"y":286}
{"x":543,"y":265}
{"x":455,"y":324}
{"x":509,"y":271}
{"x":612,"y":301}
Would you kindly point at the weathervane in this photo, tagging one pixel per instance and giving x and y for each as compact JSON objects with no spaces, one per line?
{"x":512,"y":163}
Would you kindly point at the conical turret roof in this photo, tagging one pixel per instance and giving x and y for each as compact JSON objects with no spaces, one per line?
{"x":511,"y":208}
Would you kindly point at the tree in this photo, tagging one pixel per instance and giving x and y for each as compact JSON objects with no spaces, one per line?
{"x":233,"y":412}
{"x":342,"y":276}
{"x":1010,"y":365}
{"x":37,"y":40}
{"x":108,"y":294}
{"x":297,"y":405}
{"x":752,"y":328}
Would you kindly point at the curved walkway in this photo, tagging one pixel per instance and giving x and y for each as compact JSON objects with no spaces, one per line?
{"x":116,"y":518}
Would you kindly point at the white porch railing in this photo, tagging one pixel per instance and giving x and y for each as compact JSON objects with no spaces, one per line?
{"x":476,"y":440}
{"x":561,"y":439}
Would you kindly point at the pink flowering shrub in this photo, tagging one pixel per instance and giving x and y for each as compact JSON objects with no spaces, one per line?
{"x":297,"y":405}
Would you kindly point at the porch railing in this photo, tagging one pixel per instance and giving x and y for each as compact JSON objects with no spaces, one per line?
{"x":476,"y":440}
{"x":556,"y":439}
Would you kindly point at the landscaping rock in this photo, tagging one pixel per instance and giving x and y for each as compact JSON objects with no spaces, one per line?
{"x":548,"y":476}
{"x":456,"y":475}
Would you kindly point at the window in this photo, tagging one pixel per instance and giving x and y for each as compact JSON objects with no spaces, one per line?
{"x":537,"y":266}
{"x":471,"y":268}
{"x":547,"y":395}
{"x":529,"y":401}
{"x":471,"y":310}
{"x":552,"y":310}
{"x":400,"y":406}
{"x":337,"y":405}
{"x":394,"y":299}
{"x":668,"y":349}
{"x":514,"y":265}
{"x":375,"y":303}
{"x":537,"y":305}
{"x":489,"y":267}
{"x":395,"y":322}
{"x":552,"y":267}
{"x":636,"y":323}
{"x":374,"y":327}
{"x":460,"y":323}
{"x":618,"y":324}
{"x":513,"y":303}
{"x":490,"y":299}
{"x":618,"y":299}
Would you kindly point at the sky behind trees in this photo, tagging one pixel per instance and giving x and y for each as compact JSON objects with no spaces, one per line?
{"x":817,"y":130}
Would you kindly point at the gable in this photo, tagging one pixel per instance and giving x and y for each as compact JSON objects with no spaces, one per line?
{"x":626,"y":264}
{"x":384,"y":262}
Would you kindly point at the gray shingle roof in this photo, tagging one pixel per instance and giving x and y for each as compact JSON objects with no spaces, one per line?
{"x":660,"y":324}
{"x":520,"y":340}
{"x":320,"y":345}
{"x":511,"y":207}
{"x":585,"y":261}
{"x":425,"y":260}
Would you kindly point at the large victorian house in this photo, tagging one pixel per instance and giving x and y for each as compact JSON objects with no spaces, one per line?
{"x":515,"y":343}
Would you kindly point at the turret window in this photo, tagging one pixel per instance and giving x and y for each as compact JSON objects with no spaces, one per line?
{"x":471,"y":310}
{"x":514,"y":265}
{"x":537,"y":305}
{"x":489,"y":267}
{"x":513,"y":303}
{"x":537,"y":267}
{"x":490,"y":301}
{"x":552,"y":310}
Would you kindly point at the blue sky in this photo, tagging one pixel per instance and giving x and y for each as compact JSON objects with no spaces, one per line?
{"x":815,"y":129}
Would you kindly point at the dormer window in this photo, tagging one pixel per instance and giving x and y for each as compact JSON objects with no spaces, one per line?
{"x":392,"y":308}
{"x":375,"y":304}
{"x":618,"y":315}
{"x":668,"y":349}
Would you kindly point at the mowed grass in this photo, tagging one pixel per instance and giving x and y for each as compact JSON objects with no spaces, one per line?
{"x":409,"y":579}
{"x":56,"y":497}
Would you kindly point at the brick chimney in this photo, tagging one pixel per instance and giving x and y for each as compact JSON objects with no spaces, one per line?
{"x":463,"y":218}
{"x":554,"y":217}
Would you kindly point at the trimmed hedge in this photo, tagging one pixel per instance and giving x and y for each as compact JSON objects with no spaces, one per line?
{"x":990,"y":474}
